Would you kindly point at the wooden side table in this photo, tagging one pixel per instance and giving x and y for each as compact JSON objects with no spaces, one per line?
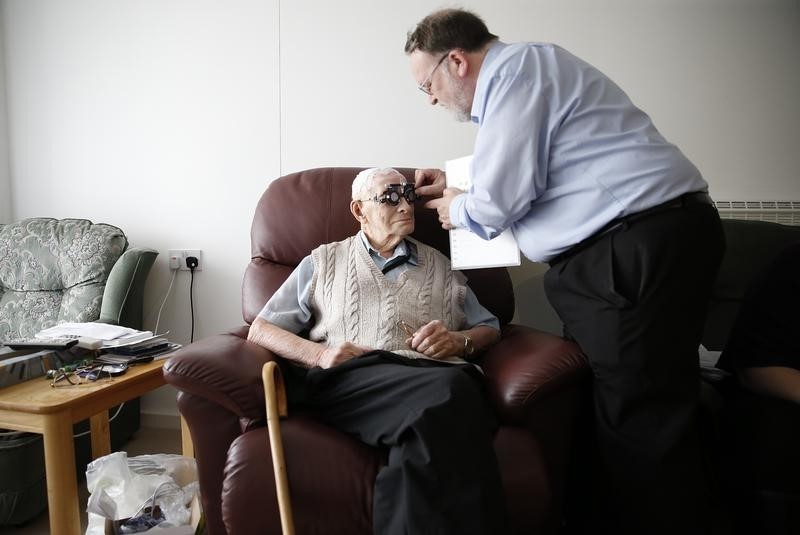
{"x":35,"y":406}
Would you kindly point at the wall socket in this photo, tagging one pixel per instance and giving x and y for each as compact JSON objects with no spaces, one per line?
{"x":177,"y":258}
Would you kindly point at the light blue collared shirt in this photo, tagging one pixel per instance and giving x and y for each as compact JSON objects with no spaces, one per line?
{"x":560,"y":152}
{"x":290,"y":306}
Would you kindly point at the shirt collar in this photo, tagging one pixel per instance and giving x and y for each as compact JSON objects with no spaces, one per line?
{"x":405,"y":247}
{"x":484,"y":76}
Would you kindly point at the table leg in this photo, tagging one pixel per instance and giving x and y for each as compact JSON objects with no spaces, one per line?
{"x":187,"y":446}
{"x":62,"y":486}
{"x":101,"y":436}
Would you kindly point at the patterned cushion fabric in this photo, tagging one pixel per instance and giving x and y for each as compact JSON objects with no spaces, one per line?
{"x":52,"y":271}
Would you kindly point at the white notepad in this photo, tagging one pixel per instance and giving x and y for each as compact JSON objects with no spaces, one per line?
{"x":467,"y":250}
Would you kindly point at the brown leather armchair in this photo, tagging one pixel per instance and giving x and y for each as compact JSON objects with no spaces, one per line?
{"x":535,"y":380}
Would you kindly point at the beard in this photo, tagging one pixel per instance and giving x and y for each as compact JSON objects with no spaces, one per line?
{"x":461,"y":107}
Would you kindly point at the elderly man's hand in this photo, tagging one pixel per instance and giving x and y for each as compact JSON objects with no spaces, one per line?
{"x":332,"y":356}
{"x":442,"y":206}
{"x":435,"y":341}
{"x":429,"y":182}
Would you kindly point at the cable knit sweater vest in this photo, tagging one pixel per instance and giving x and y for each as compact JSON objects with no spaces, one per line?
{"x":354,"y":302}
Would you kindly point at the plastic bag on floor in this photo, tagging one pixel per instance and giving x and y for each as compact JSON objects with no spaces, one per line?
{"x":153,"y":491}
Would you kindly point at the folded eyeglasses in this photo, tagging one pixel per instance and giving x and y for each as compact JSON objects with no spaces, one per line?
{"x":394,"y":192}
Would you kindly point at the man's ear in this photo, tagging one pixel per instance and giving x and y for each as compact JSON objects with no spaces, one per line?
{"x":460,"y":59}
{"x":358,"y":211}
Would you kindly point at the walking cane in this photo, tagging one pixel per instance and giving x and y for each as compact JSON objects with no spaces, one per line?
{"x":275,"y":396}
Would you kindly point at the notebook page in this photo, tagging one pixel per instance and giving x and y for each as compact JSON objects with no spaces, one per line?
{"x":468,"y":251}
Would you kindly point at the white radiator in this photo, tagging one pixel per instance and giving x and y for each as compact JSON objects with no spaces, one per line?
{"x":784,"y":212}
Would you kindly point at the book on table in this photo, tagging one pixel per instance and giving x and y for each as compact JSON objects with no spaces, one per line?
{"x":154,"y":348}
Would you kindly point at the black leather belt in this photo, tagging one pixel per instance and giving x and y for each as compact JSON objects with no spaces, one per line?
{"x":696,"y":197}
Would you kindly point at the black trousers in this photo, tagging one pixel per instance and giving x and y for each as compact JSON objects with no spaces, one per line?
{"x":635,"y":301}
{"x":442,"y":475}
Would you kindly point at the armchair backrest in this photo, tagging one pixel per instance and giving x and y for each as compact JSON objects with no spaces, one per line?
{"x":52,"y":271}
{"x":750,"y":247}
{"x":303,"y":210}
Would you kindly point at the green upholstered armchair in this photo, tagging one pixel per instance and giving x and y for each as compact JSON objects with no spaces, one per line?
{"x":53,"y":271}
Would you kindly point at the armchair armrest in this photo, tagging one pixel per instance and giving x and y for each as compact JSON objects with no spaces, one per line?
{"x":527,"y":366}
{"x":224,"y":369}
{"x":122,"y":297}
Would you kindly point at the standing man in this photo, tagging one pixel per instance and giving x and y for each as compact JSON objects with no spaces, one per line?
{"x":588,"y":185}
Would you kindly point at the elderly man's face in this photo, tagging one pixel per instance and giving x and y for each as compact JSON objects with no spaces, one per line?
{"x":385,"y":225}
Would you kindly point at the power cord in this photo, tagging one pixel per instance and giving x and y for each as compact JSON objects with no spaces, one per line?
{"x":191,"y":263}
{"x":164,"y":301}
{"x":119,"y":409}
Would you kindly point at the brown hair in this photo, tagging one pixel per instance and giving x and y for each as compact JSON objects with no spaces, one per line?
{"x":447,"y":29}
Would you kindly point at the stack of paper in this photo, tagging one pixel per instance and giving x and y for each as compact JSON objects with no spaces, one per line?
{"x":109,"y":335}
{"x":468,"y":250}
{"x":117,"y":344}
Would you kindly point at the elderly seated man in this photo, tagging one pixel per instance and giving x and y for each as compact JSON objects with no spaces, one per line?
{"x":390,"y":329}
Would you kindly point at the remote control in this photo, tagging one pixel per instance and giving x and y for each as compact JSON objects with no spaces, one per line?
{"x":55,"y":343}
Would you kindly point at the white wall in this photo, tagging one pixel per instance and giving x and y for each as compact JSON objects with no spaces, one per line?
{"x":6,"y":215}
{"x":719,"y":77}
{"x":160,"y":117}
{"x":169,"y":117}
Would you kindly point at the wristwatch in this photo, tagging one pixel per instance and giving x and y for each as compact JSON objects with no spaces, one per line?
{"x":469,"y":348}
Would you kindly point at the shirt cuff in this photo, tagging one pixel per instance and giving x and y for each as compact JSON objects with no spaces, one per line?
{"x":458,"y":211}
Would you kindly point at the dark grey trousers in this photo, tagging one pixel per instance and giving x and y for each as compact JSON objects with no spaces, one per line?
{"x":635,"y":301}
{"x":442,"y":475}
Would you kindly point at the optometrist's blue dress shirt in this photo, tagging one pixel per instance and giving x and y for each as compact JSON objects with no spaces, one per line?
{"x":560,"y":152}
{"x":290,"y":306}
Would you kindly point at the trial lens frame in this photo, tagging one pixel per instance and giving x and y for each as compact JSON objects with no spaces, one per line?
{"x":392,"y":196}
